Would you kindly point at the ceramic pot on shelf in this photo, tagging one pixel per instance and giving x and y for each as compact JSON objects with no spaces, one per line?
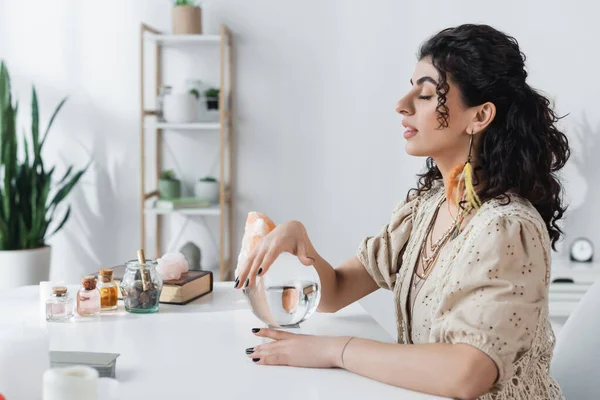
{"x":180,"y":108}
{"x":186,"y":20}
{"x":207,"y":188}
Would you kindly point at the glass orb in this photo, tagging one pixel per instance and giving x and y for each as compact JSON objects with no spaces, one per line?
{"x":287,"y":294}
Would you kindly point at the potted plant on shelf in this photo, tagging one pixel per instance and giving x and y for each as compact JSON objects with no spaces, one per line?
{"x":207,"y":188}
{"x":29,"y":195}
{"x":180,"y":107}
{"x":169,"y":187}
{"x":186,"y":18}
{"x":212,"y":98}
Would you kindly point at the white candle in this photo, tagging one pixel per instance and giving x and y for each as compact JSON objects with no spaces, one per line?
{"x":71,"y":383}
{"x":23,"y":359}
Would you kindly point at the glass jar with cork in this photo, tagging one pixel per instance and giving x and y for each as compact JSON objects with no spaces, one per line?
{"x":59,"y":307}
{"x":141,"y":285}
{"x":88,"y":297}
{"x":109,"y":292}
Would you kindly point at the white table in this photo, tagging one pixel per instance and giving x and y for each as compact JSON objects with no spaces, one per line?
{"x":198,"y":350}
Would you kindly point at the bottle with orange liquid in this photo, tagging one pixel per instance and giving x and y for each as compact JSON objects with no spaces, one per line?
{"x":109,"y":294}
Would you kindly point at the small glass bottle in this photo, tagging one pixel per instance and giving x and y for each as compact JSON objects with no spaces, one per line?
{"x":88,"y":297}
{"x":59,"y":306}
{"x":109,"y":292}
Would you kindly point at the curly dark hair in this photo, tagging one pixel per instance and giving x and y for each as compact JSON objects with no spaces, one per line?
{"x":522,"y":149}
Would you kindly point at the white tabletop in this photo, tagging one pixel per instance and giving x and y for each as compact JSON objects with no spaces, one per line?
{"x":198,"y":350}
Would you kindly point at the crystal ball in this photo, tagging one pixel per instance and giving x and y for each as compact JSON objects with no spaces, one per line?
{"x":287,"y":294}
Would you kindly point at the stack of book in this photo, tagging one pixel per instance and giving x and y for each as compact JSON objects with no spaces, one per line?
{"x":104,"y":363}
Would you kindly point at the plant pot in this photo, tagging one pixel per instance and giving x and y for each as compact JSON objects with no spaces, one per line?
{"x":24,"y":267}
{"x":212,"y":103}
{"x":169,"y":189}
{"x":180,"y":108}
{"x":207,"y":190}
{"x":186,"y":20}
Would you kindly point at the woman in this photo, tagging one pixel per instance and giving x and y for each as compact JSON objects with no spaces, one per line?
{"x":467,"y":253}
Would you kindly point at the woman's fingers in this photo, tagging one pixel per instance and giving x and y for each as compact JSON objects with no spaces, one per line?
{"x":253,"y":270}
{"x":240,"y":280}
{"x":268,"y":354}
{"x":274,"y":359}
{"x":273,"y":333}
{"x":303,"y":256}
{"x":267,"y":261}
{"x":267,"y":254}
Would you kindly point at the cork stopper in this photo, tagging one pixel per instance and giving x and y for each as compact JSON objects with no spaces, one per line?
{"x":59,"y":290}
{"x":89,"y":282}
{"x":105,"y":274}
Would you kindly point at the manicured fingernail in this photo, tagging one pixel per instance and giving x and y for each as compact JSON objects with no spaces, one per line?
{"x":237,"y":282}
{"x":255,"y":330}
{"x":250,"y":350}
{"x":259,"y":271}
{"x":247,"y":282}
{"x":256,"y":359}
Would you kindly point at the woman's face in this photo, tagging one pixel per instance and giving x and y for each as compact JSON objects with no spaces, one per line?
{"x":424,"y":135}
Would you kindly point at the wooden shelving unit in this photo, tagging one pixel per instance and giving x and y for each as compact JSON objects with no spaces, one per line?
{"x":149,"y":123}
{"x":213,"y":126}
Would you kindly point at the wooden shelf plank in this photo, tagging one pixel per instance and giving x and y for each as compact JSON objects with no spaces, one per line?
{"x":168,"y":38}
{"x":211,"y":210}
{"x":188,"y":126}
{"x":183,"y":39}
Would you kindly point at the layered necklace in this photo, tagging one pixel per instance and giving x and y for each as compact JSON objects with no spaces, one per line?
{"x":428,"y":260}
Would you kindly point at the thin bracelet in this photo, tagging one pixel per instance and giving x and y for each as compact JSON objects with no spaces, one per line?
{"x":344,"y":349}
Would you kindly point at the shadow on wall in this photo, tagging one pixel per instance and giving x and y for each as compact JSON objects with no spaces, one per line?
{"x":105,"y":215}
{"x":581,"y":184}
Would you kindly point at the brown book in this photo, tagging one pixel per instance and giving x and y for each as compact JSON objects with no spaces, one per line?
{"x":191,"y":286}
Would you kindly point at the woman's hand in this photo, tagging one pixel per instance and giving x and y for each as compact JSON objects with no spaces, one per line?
{"x":297,"y":350}
{"x":290,"y":237}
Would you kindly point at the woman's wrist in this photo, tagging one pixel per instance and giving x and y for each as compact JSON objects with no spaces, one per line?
{"x":339,"y":351}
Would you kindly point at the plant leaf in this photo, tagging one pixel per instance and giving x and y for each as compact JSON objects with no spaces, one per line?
{"x":35,"y":123}
{"x":66,"y":189}
{"x":24,"y":239}
{"x":66,"y":175}
{"x":52,"y":120}
{"x":64,"y":220}
{"x":28,"y":197}
{"x":26,"y":149}
{"x":3,"y":231}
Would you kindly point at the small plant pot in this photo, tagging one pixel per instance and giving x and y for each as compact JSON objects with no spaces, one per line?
{"x":24,"y":267}
{"x":186,"y":20}
{"x":212,"y":103}
{"x":180,"y":108}
{"x":169,"y":189}
{"x":207,"y":190}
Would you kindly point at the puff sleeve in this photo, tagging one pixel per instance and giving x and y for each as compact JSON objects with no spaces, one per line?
{"x":498,"y":290}
{"x":381,"y":254}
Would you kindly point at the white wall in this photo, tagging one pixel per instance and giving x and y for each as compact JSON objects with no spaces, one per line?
{"x":318,"y":139}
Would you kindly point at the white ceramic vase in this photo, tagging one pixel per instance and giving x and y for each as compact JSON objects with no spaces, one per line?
{"x":207,"y":190}
{"x":24,"y":267}
{"x":180,"y":108}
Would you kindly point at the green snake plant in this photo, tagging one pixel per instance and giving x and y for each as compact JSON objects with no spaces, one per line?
{"x":29,"y":197}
